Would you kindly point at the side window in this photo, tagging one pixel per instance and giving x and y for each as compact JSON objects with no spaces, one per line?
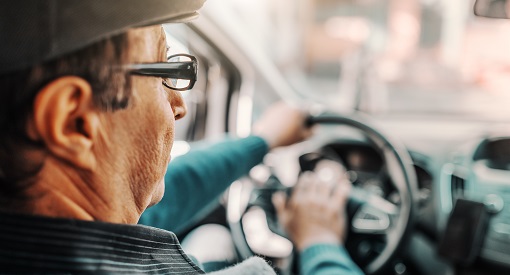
{"x":207,"y":101}
{"x":184,"y":128}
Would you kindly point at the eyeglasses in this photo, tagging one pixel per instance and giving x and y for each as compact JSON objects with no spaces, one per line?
{"x":178,"y":73}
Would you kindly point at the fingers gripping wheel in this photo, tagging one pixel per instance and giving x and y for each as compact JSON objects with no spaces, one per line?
{"x":378,"y":228}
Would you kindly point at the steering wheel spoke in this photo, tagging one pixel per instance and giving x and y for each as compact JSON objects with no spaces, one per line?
{"x":360,"y":197}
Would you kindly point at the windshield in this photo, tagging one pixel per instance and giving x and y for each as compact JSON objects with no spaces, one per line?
{"x":431,"y":57}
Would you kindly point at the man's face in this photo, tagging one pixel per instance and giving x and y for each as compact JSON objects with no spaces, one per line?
{"x":141,"y":136}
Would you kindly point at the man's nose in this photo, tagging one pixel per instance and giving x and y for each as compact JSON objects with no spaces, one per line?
{"x":178,"y":105}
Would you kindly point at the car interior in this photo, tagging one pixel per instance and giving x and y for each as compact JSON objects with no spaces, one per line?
{"x":408,"y":96}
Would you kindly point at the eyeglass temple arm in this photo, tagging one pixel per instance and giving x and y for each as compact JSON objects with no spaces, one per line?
{"x":181,"y":70}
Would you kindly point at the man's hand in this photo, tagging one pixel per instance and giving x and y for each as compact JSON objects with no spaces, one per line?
{"x":315,"y":213}
{"x":282,"y":125}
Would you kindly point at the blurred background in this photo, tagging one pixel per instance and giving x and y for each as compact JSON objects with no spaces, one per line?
{"x":391,"y":57}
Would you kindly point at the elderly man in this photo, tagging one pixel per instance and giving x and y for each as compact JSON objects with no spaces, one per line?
{"x":87,"y":112}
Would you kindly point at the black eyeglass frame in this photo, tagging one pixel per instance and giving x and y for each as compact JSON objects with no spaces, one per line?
{"x":177,"y":70}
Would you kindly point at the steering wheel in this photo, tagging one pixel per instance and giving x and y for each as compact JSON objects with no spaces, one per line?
{"x":372,"y":218}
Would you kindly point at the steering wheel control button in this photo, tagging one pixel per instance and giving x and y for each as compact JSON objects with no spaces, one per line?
{"x":400,"y":269}
{"x":364,"y":249}
{"x":493,"y":203}
{"x":370,"y":220}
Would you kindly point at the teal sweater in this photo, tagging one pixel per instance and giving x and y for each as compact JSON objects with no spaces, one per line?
{"x":195,"y":180}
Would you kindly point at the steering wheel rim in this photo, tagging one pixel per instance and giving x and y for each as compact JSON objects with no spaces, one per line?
{"x":400,"y":171}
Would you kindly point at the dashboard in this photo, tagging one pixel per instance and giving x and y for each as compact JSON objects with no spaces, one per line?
{"x":483,"y":175}
{"x":478,"y":171}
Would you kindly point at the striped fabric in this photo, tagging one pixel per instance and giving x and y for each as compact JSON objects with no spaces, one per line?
{"x":30,"y":244}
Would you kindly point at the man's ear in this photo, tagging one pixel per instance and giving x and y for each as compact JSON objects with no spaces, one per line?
{"x":65,"y":119}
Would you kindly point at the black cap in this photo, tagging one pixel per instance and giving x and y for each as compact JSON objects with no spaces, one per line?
{"x":34,"y":31}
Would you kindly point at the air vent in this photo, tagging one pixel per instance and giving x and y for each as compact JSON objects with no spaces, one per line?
{"x":458,"y":187}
